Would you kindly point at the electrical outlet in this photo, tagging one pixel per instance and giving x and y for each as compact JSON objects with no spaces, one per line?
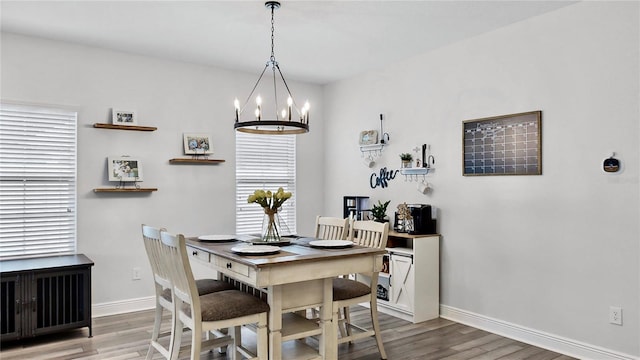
{"x":615,"y":315}
{"x":135,"y":274}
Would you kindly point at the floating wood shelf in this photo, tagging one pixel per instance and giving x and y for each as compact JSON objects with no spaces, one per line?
{"x":195,"y":161}
{"x":129,"y":190}
{"x":124,"y":127}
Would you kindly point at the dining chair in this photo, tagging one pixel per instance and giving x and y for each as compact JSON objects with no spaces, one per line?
{"x":214,"y":311}
{"x":162,"y":284}
{"x":347,"y":292}
{"x":331,"y":228}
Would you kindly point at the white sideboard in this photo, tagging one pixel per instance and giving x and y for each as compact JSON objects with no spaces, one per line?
{"x":413,"y":279}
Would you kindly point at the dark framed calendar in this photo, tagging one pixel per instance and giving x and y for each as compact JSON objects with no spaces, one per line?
{"x":503,"y":145}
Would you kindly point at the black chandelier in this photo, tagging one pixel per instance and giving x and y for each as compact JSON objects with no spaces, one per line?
{"x":286,"y":122}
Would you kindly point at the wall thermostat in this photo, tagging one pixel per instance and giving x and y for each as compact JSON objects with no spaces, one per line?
{"x":611,"y":164}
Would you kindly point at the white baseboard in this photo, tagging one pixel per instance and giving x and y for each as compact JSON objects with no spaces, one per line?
{"x":123,"y":306}
{"x":530,"y":336}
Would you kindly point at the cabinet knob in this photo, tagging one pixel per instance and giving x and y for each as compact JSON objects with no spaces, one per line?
{"x":229,"y":265}
{"x":194,"y":253}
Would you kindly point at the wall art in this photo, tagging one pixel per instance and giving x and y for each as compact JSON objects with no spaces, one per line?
{"x":503,"y":145}
{"x":197,"y":144}
{"x":124,"y":169}
{"x":123,"y":117}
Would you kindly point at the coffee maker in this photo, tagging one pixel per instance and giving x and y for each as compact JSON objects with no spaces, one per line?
{"x":421,"y":223}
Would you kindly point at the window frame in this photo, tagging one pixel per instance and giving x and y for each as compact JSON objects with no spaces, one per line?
{"x":38,"y":180}
{"x":264,"y":162}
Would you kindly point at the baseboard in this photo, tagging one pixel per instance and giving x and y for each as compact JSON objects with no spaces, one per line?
{"x":123,"y":306}
{"x":541,"y":339}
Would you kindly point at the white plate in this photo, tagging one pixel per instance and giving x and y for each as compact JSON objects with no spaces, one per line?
{"x":216,"y":237}
{"x":255,"y":249}
{"x":331,"y":243}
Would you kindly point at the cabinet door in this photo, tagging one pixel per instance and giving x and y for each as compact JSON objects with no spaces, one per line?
{"x":11,"y":317}
{"x":402,"y":275}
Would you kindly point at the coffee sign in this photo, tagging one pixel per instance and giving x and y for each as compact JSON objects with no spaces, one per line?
{"x":382,"y":179}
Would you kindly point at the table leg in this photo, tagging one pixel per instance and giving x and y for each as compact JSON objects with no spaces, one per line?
{"x":275,"y":321}
{"x":328,"y":342}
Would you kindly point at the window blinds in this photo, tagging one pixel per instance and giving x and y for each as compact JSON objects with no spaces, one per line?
{"x":264,"y":162}
{"x":37,"y":181}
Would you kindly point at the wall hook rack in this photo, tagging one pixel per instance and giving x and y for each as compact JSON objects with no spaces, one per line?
{"x":375,"y":150}
{"x":426,"y":165}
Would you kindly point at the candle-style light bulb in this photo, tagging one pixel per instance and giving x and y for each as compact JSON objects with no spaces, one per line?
{"x":259,"y":109}
{"x":284,"y":113}
{"x":236,"y":103}
{"x":289,"y":103}
{"x":306,"y":111}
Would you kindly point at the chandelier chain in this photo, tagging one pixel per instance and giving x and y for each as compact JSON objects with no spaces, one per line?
{"x":273,"y":56}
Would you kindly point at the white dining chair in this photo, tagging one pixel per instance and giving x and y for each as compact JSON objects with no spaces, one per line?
{"x":331,"y":228}
{"x":215,"y":311}
{"x":347,"y":292}
{"x":162,"y":284}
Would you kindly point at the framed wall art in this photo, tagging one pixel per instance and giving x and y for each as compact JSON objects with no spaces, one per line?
{"x":197,"y":144}
{"x":124,"y":168}
{"x":503,"y":145}
{"x":123,"y":117}
{"x":368,"y":137}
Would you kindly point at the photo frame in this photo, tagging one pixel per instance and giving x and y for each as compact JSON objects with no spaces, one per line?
{"x":368,"y":137}
{"x":124,"y":169}
{"x":123,"y":117}
{"x":197,"y":144}
{"x":503,"y":145}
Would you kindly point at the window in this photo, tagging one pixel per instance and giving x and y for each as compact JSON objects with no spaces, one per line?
{"x":264,"y":162}
{"x":37,"y":181}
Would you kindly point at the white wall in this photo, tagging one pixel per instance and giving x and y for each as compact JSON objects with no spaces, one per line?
{"x":174,"y":97}
{"x":549,"y":252}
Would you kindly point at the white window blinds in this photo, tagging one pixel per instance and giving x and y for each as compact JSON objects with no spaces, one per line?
{"x":264,"y":162}
{"x":37,"y":181}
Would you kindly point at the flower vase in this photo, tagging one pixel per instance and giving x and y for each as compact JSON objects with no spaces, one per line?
{"x":271,"y":226}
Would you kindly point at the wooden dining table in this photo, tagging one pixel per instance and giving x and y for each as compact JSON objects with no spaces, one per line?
{"x":298,"y":277}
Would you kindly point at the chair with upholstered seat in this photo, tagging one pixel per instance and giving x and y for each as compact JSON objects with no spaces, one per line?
{"x":331,"y":228}
{"x":348,"y":292}
{"x":215,"y":311}
{"x":162,"y":283}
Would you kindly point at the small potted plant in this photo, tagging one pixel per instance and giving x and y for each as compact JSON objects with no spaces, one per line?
{"x":406,"y":160}
{"x":379,"y":212}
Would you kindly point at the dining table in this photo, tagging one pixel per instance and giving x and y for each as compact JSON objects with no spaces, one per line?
{"x":296,"y":275}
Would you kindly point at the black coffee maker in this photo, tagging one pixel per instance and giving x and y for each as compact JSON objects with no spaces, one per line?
{"x":422,"y":222}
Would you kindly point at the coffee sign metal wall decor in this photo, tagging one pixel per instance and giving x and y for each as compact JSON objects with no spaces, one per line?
{"x":382,"y":178}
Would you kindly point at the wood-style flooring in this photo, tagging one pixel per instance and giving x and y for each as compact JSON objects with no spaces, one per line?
{"x":126,"y":336}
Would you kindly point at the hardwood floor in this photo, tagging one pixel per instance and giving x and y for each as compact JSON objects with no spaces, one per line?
{"x":126,"y":336}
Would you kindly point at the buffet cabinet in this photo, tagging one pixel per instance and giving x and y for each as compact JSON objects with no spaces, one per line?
{"x":409,"y":285}
{"x":45,"y":295}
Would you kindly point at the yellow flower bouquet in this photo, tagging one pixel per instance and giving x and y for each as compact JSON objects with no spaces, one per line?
{"x":270,"y":202}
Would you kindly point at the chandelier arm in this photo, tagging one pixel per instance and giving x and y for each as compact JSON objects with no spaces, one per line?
{"x":254,"y":89}
{"x":288,"y":91}
{"x":275,"y":91}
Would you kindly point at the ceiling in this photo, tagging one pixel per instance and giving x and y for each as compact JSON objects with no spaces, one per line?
{"x":315,"y":41}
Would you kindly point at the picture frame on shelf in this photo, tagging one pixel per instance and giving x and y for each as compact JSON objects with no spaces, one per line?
{"x":197,"y":144}
{"x":123,"y":117}
{"x":368,"y":137}
{"x":503,"y":145}
{"x":124,"y":169}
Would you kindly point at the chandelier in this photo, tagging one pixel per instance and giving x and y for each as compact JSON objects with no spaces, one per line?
{"x":290,"y":120}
